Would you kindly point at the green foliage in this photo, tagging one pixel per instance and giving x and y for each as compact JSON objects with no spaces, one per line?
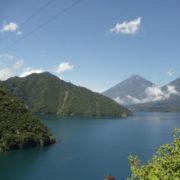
{"x":18,"y":129}
{"x":165,"y":165}
{"x":47,"y":94}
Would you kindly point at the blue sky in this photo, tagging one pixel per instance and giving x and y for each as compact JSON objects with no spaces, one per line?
{"x":99,"y":42}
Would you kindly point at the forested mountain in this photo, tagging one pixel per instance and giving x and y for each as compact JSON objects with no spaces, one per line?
{"x":47,"y":94}
{"x":18,"y":129}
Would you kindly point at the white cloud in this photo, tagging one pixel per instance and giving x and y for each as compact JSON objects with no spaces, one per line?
{"x":6,"y":73}
{"x":29,"y":71}
{"x":170,"y":72}
{"x":171,"y":90}
{"x":119,"y":100}
{"x":11,"y":27}
{"x":130,"y":27}
{"x":133,"y":99}
{"x":10,"y":66}
{"x":155,"y":93}
{"x":65,"y":66}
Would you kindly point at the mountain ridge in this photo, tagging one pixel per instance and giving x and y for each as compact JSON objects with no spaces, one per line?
{"x":170,"y":104}
{"x":139,"y":94}
{"x":134,"y":86}
{"x":47,"y":94}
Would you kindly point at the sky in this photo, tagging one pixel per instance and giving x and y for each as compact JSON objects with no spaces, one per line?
{"x":91,"y":43}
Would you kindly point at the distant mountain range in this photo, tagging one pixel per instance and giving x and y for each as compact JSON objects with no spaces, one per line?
{"x":47,"y":94}
{"x":129,"y":91}
{"x":139,"y":94}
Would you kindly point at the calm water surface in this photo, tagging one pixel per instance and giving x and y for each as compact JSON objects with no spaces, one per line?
{"x":89,"y":149}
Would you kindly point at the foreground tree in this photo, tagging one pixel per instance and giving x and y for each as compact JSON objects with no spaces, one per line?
{"x":165,"y":165}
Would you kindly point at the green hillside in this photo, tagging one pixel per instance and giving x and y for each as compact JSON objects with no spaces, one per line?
{"x":18,"y":129}
{"x":47,"y":94}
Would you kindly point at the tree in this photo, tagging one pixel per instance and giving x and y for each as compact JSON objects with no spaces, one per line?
{"x":165,"y":164}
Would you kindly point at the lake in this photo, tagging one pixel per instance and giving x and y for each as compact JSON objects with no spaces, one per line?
{"x":90,"y":149}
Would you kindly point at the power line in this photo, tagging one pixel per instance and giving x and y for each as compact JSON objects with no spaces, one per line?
{"x":35,"y":14}
{"x":60,"y":13}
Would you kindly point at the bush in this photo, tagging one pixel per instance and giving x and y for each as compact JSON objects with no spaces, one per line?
{"x":165,"y":164}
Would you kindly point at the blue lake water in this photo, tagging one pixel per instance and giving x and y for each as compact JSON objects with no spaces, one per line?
{"x":90,"y":149}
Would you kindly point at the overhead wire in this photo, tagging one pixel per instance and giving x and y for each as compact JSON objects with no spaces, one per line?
{"x":48,"y":3}
{"x":60,"y":13}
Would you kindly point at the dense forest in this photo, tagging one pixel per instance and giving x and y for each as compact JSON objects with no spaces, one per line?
{"x":47,"y":94}
{"x":18,"y":129}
